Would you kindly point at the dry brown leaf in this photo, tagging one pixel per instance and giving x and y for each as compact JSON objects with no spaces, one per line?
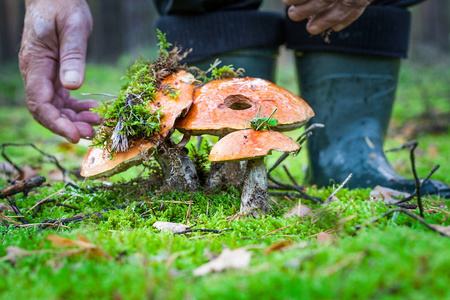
{"x":228,"y":259}
{"x":7,"y":170}
{"x":4,"y":206}
{"x":27,"y":172}
{"x":325,"y":237}
{"x":299,"y":210}
{"x":278,"y":246}
{"x":14,"y":253}
{"x":386,"y":194}
{"x":55,"y":175}
{"x":83,"y":245}
{"x":174,"y":227}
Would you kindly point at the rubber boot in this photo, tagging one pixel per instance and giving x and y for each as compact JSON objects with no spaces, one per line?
{"x":257,"y":62}
{"x":353,"y":96}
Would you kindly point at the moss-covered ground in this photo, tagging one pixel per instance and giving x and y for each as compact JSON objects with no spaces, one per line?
{"x":335,"y":253}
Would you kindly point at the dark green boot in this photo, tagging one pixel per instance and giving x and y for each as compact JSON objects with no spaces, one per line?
{"x":353,"y":96}
{"x":257,"y":62}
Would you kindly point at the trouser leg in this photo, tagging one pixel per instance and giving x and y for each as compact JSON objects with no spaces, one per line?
{"x":233,"y":31}
{"x":351,"y":83}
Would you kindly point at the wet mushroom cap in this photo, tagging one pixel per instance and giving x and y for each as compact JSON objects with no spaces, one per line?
{"x":97,"y":162}
{"x":226,"y":105}
{"x":250,"y":144}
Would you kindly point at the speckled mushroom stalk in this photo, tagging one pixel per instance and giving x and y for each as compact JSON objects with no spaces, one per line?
{"x":252,"y":146}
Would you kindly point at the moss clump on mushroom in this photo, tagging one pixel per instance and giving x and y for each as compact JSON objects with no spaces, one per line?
{"x":130,"y":117}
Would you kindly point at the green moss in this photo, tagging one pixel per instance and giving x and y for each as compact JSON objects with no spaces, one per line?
{"x":130,"y":116}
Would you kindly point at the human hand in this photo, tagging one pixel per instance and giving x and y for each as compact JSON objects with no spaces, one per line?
{"x":52,"y":62}
{"x":326,"y":14}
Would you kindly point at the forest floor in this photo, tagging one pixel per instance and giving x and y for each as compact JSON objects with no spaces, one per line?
{"x":347,"y":249}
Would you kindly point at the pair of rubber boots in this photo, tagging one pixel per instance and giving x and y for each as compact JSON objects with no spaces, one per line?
{"x":353,"y":96}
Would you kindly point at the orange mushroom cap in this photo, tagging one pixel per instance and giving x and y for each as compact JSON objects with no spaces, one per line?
{"x":98,"y":162}
{"x":226,"y":105}
{"x":250,"y":144}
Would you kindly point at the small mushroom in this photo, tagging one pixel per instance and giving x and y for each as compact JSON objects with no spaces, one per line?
{"x":252,"y":146}
{"x":98,"y":162}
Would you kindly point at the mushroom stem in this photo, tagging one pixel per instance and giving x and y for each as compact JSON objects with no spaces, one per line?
{"x":178,"y":170}
{"x":228,"y":173}
{"x":254,"y":192}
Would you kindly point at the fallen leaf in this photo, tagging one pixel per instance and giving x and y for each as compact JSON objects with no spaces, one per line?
{"x":278,"y":246}
{"x":325,"y":237}
{"x":174,"y":227}
{"x":7,"y":170}
{"x":228,"y":259}
{"x":386,"y":194}
{"x":83,"y":245}
{"x":4,"y":206}
{"x":27,"y":172}
{"x":13,"y":253}
{"x":299,"y":210}
{"x":55,"y":175}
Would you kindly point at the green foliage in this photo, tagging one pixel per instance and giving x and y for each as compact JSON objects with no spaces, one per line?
{"x":263,"y":123}
{"x":200,"y":159}
{"x":219,"y":73}
{"x":226,"y":72}
{"x":170,"y":91}
{"x":130,"y":115}
{"x":163,"y":44}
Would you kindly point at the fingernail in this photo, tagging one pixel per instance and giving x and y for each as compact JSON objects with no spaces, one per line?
{"x":314,"y":29}
{"x":338,"y":27}
{"x":72,"y":77}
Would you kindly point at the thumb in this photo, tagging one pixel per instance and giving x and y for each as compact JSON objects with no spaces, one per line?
{"x":73,"y":36}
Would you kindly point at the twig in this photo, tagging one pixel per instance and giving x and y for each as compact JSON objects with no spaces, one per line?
{"x":412,"y":147}
{"x":339,"y":188}
{"x":412,"y":215}
{"x":43,"y":200}
{"x":203,"y":230}
{"x":410,"y":197}
{"x":302,"y":193}
{"x":290,"y":175}
{"x":17,"y":211}
{"x":301,"y":139}
{"x":22,"y":186}
{"x":52,"y":158}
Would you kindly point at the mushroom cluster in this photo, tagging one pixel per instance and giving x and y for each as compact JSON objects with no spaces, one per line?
{"x":224,"y":108}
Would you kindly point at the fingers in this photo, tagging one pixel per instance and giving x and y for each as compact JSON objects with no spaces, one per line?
{"x":73,"y":32}
{"x":351,"y":17}
{"x":51,"y":118}
{"x":326,"y":14}
{"x":307,"y":9}
{"x":80,"y":106}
